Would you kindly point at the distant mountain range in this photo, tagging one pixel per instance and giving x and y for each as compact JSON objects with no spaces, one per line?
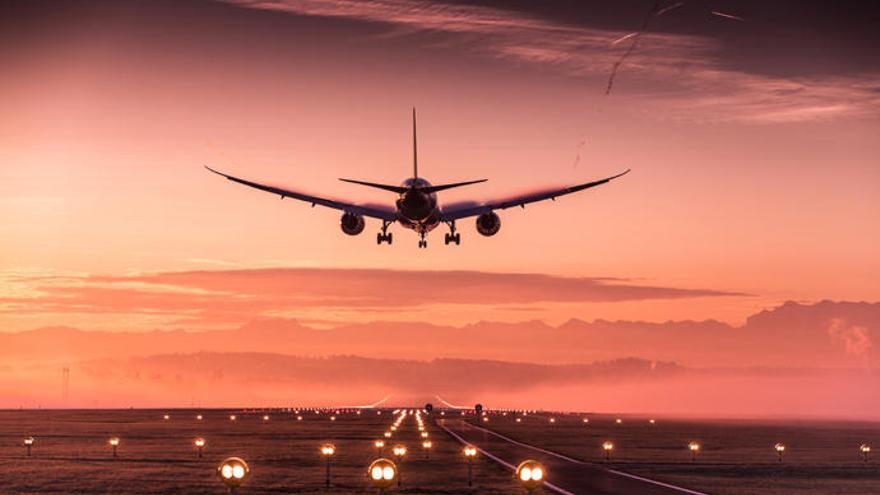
{"x":824,"y":334}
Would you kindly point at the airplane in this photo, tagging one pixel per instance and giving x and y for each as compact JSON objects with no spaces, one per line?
{"x":417,"y":208}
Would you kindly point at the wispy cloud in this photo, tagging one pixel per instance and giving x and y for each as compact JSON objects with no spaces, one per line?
{"x":234,"y":296}
{"x":687,"y":75}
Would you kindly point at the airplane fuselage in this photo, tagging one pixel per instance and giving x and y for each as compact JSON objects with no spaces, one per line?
{"x":416,"y":209}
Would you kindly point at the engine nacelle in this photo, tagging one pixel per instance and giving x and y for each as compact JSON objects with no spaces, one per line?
{"x":488,"y":224}
{"x":352,"y":224}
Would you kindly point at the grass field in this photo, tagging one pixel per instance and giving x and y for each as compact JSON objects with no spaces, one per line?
{"x":71,"y":454}
{"x":735,"y":457}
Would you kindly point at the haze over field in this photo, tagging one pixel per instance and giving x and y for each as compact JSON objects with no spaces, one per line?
{"x":734,"y":271}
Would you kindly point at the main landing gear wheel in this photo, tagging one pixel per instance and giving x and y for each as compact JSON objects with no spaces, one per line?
{"x":450,"y":238}
{"x":423,"y":244}
{"x":382,"y":237}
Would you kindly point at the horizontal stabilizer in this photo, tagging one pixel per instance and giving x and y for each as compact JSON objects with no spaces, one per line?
{"x":402,"y":189}
{"x":385,"y":187}
{"x":443,"y":187}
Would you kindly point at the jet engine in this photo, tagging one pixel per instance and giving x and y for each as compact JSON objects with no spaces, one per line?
{"x":488,"y":224}
{"x":352,"y":224}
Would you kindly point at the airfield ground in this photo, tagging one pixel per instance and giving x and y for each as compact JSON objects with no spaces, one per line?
{"x":157,"y":456}
{"x":736,"y":456}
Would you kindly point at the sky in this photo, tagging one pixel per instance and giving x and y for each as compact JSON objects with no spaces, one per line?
{"x":750,"y":128}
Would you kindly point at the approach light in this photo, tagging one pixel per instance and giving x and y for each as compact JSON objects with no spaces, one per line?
{"x":232,"y":417}
{"x":530,"y":474}
{"x":382,"y":473}
{"x":470,"y":452}
{"x":607,"y":447}
{"x":865,"y":449}
{"x":200,"y":445}
{"x":233,"y":472}
{"x":29,"y":443}
{"x":199,"y":417}
{"x":694,"y":447}
{"x":114,"y":444}
{"x":327,"y":450}
{"x":166,"y":417}
{"x":265,"y":417}
{"x":780,"y":450}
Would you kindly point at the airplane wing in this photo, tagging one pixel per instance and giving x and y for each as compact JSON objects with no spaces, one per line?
{"x":464,"y":210}
{"x":373,"y":211}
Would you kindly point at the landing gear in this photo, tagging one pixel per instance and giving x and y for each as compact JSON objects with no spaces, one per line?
{"x":452,"y":236}
{"x":384,"y":236}
{"x":423,"y":243}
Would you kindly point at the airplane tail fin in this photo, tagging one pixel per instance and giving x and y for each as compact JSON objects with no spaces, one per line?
{"x":415,"y":148}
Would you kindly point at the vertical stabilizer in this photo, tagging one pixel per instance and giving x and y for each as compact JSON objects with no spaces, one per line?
{"x":415,"y":148}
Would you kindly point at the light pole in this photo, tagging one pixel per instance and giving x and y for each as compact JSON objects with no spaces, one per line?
{"x":200,"y":445}
{"x":114,"y":444}
{"x":780,"y":450}
{"x":427,"y":446}
{"x":530,"y":475}
{"x":29,"y":442}
{"x":469,"y":453}
{"x":233,"y":471}
{"x":865,"y":449}
{"x":382,"y":473}
{"x":607,"y":447}
{"x":399,"y":451}
{"x":694,"y":447}
{"x":328,"y":450}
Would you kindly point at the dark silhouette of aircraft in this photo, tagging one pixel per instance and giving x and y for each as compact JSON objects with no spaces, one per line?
{"x":417,"y":208}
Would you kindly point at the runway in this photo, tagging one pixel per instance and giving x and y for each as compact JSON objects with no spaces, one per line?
{"x":565,"y":475}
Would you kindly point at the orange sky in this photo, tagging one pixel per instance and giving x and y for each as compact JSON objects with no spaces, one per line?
{"x":743,"y":182}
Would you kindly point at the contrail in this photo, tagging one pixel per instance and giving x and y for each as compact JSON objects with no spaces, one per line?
{"x":635,"y":40}
{"x":667,"y":9}
{"x":577,"y":159}
{"x":727,"y":16}
{"x":624,"y":38}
